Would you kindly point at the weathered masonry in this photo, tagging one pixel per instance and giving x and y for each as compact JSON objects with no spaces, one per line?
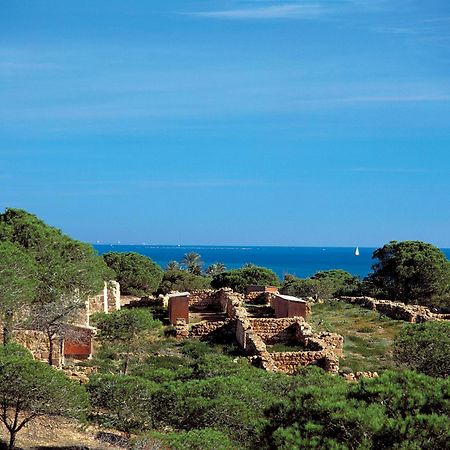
{"x":76,"y":341}
{"x":256,"y":335}
{"x":397,"y":310}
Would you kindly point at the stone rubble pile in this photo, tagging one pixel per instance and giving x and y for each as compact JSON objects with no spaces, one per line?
{"x":397,"y":310}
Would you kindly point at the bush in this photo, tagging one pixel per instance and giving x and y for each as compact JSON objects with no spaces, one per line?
{"x":123,"y":402}
{"x":401,"y":410}
{"x":425,"y":348}
{"x":137,"y":274}
{"x":411,"y":271}
{"x":181,"y":280}
{"x":126,"y":333}
{"x":239,"y":279}
{"x":202,"y":439}
{"x":323,"y":285}
{"x":30,"y":389}
{"x":13,"y":349}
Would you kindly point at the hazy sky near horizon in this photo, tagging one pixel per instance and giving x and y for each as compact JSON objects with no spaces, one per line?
{"x":228,"y":122}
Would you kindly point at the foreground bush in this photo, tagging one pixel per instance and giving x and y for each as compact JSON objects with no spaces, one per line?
{"x":425,"y":348}
{"x":126,"y":334}
{"x":194,"y":392}
{"x":396,"y":411}
{"x":202,"y":439}
{"x":29,"y":389}
{"x":125,"y":402}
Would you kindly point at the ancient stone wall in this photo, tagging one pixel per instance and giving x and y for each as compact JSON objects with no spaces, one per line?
{"x":203,"y":299}
{"x":107,"y":301}
{"x":323,"y":349}
{"x":289,"y":362}
{"x":254,"y":334}
{"x":273,"y":331}
{"x":396,"y":310}
{"x":38,"y":344}
{"x":205,"y":328}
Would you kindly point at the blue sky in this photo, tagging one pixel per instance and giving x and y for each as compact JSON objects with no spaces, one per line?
{"x":228,"y":122}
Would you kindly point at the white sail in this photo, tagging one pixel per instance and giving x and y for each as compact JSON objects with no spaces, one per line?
{"x":357,"y":251}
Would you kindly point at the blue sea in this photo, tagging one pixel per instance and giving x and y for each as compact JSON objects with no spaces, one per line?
{"x":299,"y":261}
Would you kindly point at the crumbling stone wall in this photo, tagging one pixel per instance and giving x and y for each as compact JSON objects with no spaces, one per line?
{"x":205,"y":328}
{"x":203,"y":299}
{"x":323,"y":349}
{"x":273,"y":331}
{"x":107,"y":301}
{"x":254,"y":334}
{"x":396,"y":310}
{"x":259,"y":298}
{"x":37,"y":343}
{"x":289,"y":362}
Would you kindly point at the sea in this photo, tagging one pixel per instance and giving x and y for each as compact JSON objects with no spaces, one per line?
{"x":299,"y":261}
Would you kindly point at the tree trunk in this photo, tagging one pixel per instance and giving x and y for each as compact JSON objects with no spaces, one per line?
{"x":7,"y":327}
{"x":50,"y":347}
{"x":12,"y":440}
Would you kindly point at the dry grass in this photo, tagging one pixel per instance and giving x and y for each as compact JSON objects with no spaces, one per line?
{"x":368,"y":336}
{"x":54,"y":433}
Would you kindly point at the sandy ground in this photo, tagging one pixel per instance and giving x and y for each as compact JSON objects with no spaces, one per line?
{"x":58,"y":433}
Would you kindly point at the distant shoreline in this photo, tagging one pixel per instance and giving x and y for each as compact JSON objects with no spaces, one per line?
{"x":300,"y":261}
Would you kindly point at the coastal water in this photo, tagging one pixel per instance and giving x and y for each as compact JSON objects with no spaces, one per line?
{"x":299,"y":261}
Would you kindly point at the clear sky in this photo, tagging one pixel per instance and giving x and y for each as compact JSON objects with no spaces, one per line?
{"x":228,"y":122}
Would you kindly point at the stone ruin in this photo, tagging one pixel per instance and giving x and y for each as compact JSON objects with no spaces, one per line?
{"x":397,"y":310}
{"x":256,"y":335}
{"x":77,"y":339}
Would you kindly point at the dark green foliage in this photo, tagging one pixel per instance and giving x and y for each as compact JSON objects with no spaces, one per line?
{"x":303,"y":288}
{"x":29,"y":389}
{"x":181,"y":280}
{"x":413,"y":272}
{"x":68,"y":271}
{"x":425,"y":348}
{"x":239,"y":279}
{"x":202,"y":439}
{"x":127,"y":333}
{"x":137,"y":274}
{"x":398,"y":410}
{"x":323,"y":285}
{"x":126,"y":402}
{"x":18,"y":280}
{"x":13,"y":349}
{"x":200,"y":388}
{"x":415,"y":410}
{"x":340,"y":281}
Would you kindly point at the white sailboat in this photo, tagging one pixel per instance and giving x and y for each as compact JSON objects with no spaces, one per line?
{"x":357,"y":251}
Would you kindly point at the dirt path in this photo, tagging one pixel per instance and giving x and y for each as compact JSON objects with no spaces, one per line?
{"x":54,"y":433}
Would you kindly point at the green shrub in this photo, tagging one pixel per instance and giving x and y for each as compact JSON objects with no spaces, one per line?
{"x":137,"y":274}
{"x":239,"y":279}
{"x":181,"y":280}
{"x":425,"y":348}
{"x":196,"y":439}
{"x":123,"y":402}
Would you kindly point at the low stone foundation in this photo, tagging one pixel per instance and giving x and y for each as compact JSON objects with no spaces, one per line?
{"x":255,"y":334}
{"x":397,"y":310}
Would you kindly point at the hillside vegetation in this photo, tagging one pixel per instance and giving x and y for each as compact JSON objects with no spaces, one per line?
{"x":368,"y":335}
